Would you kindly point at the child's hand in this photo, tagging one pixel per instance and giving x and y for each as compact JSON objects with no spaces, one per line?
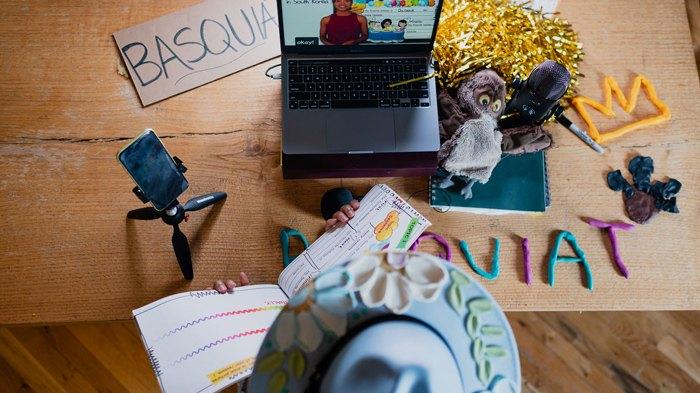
{"x":229,"y":285}
{"x":342,"y":216}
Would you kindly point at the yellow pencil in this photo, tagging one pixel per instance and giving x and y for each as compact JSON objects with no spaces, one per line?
{"x":420,"y":78}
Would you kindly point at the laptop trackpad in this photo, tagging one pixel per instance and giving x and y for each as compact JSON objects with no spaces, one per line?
{"x":360,"y":131}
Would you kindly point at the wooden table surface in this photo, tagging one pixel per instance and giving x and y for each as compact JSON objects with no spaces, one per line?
{"x":67,"y":252}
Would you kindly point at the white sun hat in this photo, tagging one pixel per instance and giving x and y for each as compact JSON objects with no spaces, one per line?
{"x":389,"y":322}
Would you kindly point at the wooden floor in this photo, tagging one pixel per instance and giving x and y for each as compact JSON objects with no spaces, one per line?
{"x":559,"y":352}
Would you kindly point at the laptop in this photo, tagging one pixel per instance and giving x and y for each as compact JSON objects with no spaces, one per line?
{"x":341,"y":117}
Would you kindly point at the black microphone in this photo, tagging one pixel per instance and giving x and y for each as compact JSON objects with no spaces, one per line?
{"x":536,"y":99}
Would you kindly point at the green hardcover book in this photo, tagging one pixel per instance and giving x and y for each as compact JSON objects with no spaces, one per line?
{"x":518,"y":184}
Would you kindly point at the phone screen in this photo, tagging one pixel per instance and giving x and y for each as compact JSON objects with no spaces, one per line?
{"x":153,"y":169}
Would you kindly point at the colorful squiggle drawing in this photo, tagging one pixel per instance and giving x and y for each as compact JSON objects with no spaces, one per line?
{"x":385,"y":229}
{"x":219,"y":315}
{"x":217,"y":342}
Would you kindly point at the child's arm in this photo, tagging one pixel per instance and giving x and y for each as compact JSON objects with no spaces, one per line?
{"x":322,"y":30}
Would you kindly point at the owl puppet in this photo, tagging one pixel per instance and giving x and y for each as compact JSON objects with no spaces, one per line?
{"x":471,"y":141}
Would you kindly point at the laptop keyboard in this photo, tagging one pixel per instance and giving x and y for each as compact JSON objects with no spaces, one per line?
{"x":361,"y":83}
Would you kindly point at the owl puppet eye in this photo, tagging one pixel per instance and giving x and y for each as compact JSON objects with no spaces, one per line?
{"x":484,"y":99}
{"x":496,"y":106}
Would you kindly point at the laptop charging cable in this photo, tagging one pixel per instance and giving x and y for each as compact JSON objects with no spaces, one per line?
{"x":277,"y":76}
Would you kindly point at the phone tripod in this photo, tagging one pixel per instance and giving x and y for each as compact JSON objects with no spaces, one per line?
{"x":174,"y":215}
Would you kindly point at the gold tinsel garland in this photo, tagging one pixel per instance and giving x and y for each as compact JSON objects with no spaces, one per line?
{"x":508,"y":38}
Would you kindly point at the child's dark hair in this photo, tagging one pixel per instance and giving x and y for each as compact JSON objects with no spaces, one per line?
{"x":403,"y":21}
{"x":386,"y":20}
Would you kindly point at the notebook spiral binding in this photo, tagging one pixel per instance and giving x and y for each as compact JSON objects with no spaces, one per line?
{"x":201,"y":294}
{"x":155,"y":363}
{"x":548,"y":195}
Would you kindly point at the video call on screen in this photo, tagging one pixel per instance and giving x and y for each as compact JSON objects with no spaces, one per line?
{"x":358,"y":22}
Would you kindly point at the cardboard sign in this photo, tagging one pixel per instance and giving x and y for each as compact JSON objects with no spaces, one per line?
{"x":188,"y":48}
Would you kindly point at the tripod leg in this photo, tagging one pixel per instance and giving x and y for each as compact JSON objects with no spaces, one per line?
{"x":144,"y":213}
{"x":202,"y":201}
{"x":182,"y":252}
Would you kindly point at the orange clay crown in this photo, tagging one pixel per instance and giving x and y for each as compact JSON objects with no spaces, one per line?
{"x":609,"y":87}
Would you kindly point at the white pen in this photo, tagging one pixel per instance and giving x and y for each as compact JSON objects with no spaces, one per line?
{"x":563,"y":120}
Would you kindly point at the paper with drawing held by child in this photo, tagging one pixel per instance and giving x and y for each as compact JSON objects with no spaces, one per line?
{"x":203,"y":341}
{"x":383,"y":221}
{"x":186,"y":49}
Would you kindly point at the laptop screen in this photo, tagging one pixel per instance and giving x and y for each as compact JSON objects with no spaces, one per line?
{"x":341,"y":25}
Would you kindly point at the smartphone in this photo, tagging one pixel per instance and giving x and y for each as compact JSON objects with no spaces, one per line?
{"x":153,"y":169}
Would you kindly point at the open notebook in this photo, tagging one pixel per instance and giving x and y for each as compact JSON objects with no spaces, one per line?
{"x":204,"y":341}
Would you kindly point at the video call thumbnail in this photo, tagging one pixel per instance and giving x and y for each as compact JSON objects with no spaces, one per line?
{"x":357,"y":22}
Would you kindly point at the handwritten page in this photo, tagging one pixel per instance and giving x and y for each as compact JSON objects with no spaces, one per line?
{"x":383,"y":221}
{"x":186,"y":49}
{"x":204,"y":341}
